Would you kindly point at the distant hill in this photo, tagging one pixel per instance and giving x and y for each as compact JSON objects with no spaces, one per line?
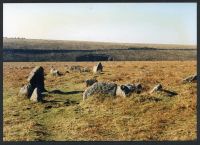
{"x":63,"y":50}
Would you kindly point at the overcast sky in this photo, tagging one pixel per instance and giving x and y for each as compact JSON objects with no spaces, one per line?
{"x":168,"y":23}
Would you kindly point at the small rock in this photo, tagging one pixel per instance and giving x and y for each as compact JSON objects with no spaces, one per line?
{"x":156,"y":88}
{"x":190,"y":79}
{"x":90,"y":82}
{"x":138,"y":88}
{"x":131,"y":87}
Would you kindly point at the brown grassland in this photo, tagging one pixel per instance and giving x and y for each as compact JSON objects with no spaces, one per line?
{"x":66,"y":117}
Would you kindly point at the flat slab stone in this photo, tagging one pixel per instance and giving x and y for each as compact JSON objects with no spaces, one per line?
{"x":100,"y":88}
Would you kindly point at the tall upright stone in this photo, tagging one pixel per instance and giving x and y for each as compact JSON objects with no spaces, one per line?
{"x":36,"y":78}
{"x":98,"y":68}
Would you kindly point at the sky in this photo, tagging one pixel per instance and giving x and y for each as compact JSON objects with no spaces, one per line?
{"x":157,"y":23}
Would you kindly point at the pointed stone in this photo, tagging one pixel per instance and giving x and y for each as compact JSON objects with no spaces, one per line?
{"x":98,"y":68}
{"x":36,"y":78}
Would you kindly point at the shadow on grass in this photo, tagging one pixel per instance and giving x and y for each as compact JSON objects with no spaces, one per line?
{"x":64,"y":93}
{"x":170,"y":93}
{"x":60,"y":101}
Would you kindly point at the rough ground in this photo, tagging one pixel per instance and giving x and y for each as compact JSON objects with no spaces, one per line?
{"x":64,"y":116}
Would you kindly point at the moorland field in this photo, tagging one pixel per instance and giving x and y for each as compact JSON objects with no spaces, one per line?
{"x":65,"y":116}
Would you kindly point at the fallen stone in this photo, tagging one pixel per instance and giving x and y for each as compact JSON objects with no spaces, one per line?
{"x":100,"y":88}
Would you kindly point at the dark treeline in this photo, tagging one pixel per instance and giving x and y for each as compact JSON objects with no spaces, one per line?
{"x":56,"y":50}
{"x":98,"y":55}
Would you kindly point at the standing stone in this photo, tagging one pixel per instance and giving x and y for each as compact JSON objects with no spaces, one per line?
{"x":100,"y":88}
{"x":26,"y":91}
{"x":98,"y":68}
{"x":54,"y":72}
{"x":36,"y":95}
{"x":36,"y":78}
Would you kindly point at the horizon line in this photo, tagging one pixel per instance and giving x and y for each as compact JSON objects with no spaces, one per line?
{"x":97,"y":41}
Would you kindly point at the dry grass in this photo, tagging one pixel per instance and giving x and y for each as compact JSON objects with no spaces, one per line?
{"x":66,"y":117}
